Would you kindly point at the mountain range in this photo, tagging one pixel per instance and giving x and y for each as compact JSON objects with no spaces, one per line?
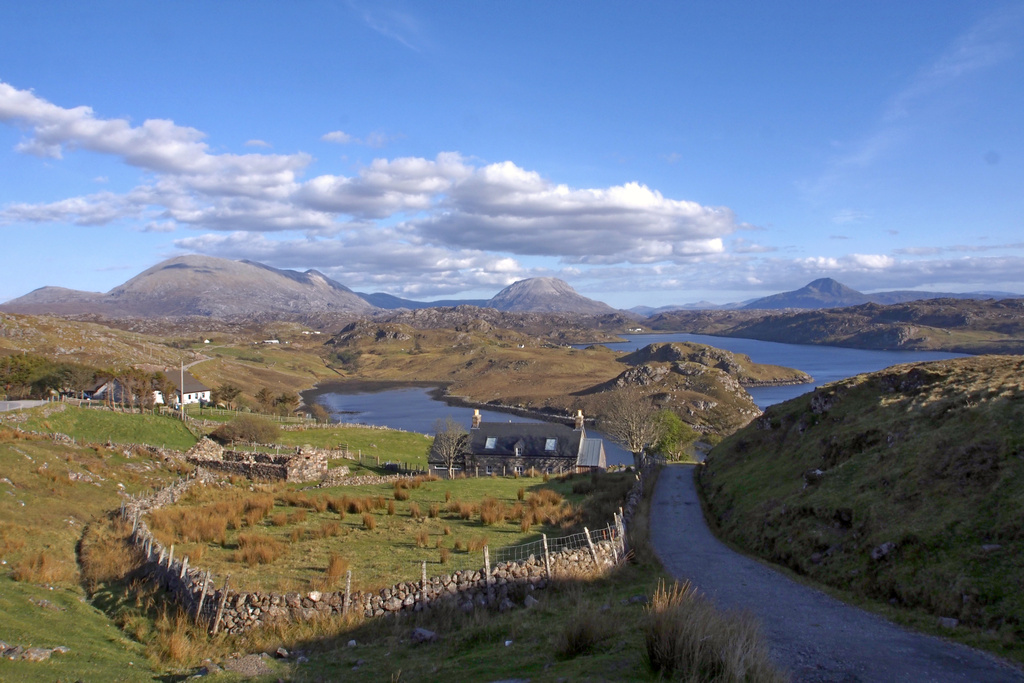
{"x":206,"y":286}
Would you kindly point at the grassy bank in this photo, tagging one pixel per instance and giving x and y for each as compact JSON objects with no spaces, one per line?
{"x":899,"y":488}
{"x":94,"y":425}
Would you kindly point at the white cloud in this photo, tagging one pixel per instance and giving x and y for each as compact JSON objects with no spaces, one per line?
{"x":340,"y":137}
{"x":257,"y":143}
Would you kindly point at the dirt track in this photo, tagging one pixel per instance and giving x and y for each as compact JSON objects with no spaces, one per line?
{"x":814,"y":636}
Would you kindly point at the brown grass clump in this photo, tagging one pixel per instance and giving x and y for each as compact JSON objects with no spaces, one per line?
{"x":466,"y":510}
{"x":477,"y":544}
{"x":445,"y":555}
{"x":279,"y":519}
{"x":106,"y":555}
{"x":422,"y":539}
{"x":544,"y":498}
{"x":337,"y":504}
{"x":414,"y":510}
{"x":447,"y":496}
{"x":517,"y":512}
{"x":298,"y":517}
{"x":12,"y":538}
{"x":297,"y":534}
{"x":191,"y":525}
{"x":336,"y":567}
{"x":401,"y":493}
{"x":521,"y":493}
{"x":447,"y":530}
{"x":492,"y":511}
{"x":369,"y":522}
{"x":391,"y":507}
{"x":585,"y":629}
{"x":262,"y":503}
{"x":256,"y":549}
{"x":379,"y":503}
{"x":329,"y":529}
{"x":435,"y":511}
{"x":526,"y":522}
{"x":458,"y":545}
{"x":42,"y":567}
{"x":177,"y":640}
{"x":357,"y":505}
{"x":685,"y":635}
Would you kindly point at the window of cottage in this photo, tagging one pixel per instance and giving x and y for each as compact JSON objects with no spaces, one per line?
{"x":491,"y":442}
{"x":550,"y":444}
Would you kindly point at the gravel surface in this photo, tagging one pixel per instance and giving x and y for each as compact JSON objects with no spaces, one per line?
{"x":814,"y":636}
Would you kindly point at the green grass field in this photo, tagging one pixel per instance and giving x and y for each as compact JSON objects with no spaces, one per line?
{"x":92,"y":425}
{"x":431,"y":521}
{"x":49,"y":495}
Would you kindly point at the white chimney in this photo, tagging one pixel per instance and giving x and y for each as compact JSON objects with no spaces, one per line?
{"x":476,"y":418}
{"x":579,"y":420}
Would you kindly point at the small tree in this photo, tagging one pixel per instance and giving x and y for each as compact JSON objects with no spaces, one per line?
{"x":451,"y":444}
{"x":226,"y":393}
{"x":676,"y":435}
{"x":629,"y":419}
{"x":265,"y":397}
{"x":319,"y":413}
{"x":286,"y":402}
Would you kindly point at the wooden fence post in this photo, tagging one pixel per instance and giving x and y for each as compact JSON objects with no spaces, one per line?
{"x":593,"y":550}
{"x":348,"y":592}
{"x":184,"y":568}
{"x":547,"y":557}
{"x":423,"y":578}
{"x":202,"y":596}
{"x":487,"y":565}
{"x":220,"y":608}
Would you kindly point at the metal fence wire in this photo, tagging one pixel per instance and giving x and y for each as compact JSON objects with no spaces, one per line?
{"x":522,"y":552}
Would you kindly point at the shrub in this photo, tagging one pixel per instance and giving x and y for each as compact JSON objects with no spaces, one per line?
{"x":369,"y":522}
{"x":248,"y":428}
{"x":684,"y":634}
{"x":414,"y":510}
{"x":435,"y":511}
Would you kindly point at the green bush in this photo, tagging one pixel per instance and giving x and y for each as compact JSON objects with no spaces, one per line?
{"x":251,"y":428}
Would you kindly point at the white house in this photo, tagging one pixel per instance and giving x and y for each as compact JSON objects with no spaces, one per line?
{"x":194,"y":390}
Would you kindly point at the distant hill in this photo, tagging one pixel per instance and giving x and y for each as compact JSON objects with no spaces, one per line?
{"x":389,"y":302}
{"x":822,"y":293}
{"x":546,"y":295}
{"x":959,"y":325}
{"x":900,"y":486}
{"x":201,"y":286}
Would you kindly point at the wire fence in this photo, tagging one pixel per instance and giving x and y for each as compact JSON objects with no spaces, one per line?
{"x":523,"y":551}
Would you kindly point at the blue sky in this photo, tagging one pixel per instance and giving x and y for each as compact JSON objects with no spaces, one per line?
{"x":647,"y":153}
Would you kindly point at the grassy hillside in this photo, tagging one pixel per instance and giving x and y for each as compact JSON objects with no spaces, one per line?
{"x":902,"y":487}
{"x":49,"y":495}
{"x":100,"y":426}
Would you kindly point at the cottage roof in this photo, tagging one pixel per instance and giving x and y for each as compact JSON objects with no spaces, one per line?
{"x":533,"y":438}
{"x":592,"y":454}
{"x":192,"y":385}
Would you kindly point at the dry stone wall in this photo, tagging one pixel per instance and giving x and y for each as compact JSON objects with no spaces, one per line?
{"x":501,"y":587}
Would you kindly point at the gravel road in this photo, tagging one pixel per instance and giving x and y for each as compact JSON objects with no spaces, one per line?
{"x":814,"y":636}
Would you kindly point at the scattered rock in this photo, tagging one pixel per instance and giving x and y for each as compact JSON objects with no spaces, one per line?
{"x":530,"y":601}
{"x":422,"y":635}
{"x":948,"y":622}
{"x":352,"y":643}
{"x":282,"y":653}
{"x":248,"y":666}
{"x":881,"y":551}
{"x":990,"y":547}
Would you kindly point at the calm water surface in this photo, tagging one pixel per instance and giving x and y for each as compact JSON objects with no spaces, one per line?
{"x":824,"y":363}
{"x":414,"y":409}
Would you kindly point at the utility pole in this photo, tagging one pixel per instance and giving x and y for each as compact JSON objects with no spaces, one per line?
{"x":181,"y":392}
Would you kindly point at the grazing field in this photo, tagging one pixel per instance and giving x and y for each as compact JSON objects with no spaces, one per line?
{"x":280,"y":538}
{"x":94,"y":425}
